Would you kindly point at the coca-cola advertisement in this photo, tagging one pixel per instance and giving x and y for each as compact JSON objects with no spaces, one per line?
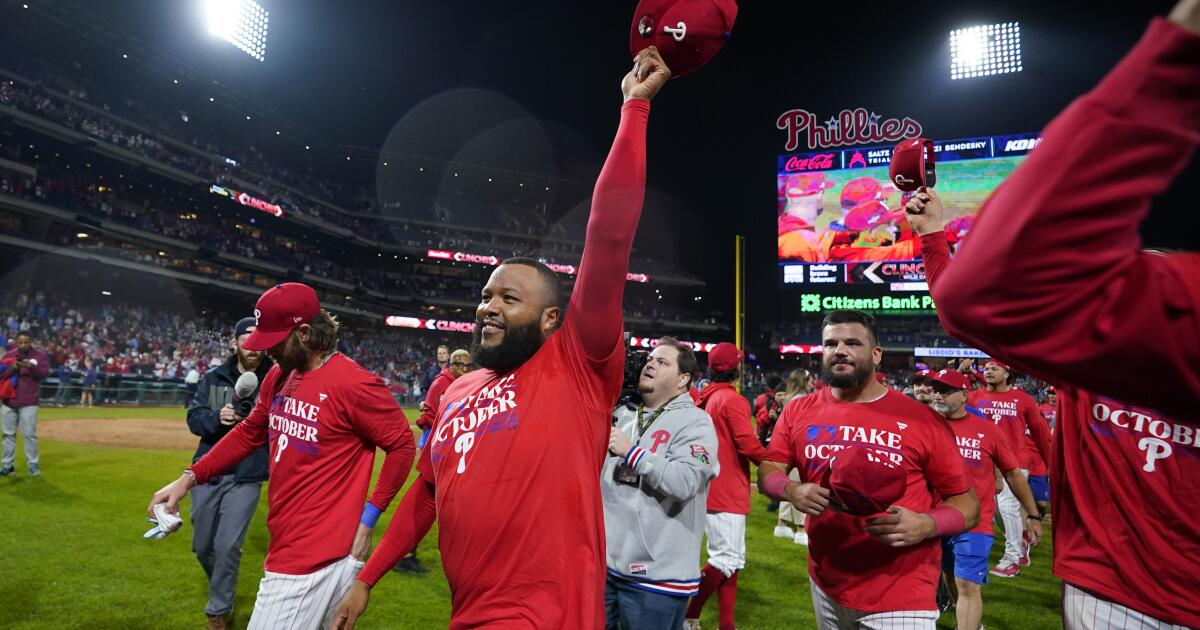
{"x":839,"y":206}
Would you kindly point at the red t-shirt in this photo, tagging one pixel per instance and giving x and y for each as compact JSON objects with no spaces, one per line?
{"x":516,"y":467}
{"x":323,"y":427}
{"x":1037,"y":466}
{"x":1015,"y":412}
{"x":1125,"y":497}
{"x":983,"y":447}
{"x":851,"y":567}
{"x":737,"y":446}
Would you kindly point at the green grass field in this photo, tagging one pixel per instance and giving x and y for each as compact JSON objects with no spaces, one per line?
{"x":72,"y":555}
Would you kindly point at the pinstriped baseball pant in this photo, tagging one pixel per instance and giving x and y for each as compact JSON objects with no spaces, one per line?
{"x":1084,"y":611}
{"x":833,"y":616}
{"x":302,"y":602}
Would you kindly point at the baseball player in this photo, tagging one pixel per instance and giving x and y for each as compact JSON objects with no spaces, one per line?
{"x":983,"y":449}
{"x":1016,"y":414}
{"x":456,"y":366}
{"x":1039,"y":479}
{"x":511,"y":471}
{"x":729,"y":493}
{"x":878,"y":572}
{"x":1125,"y":453}
{"x":323,"y":416}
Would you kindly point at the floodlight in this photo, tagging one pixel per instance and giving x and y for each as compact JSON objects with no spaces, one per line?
{"x":985,"y":50}
{"x":242,"y":23}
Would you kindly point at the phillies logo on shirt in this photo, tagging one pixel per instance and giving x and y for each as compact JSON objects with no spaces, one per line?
{"x":999,"y":410}
{"x":1157,"y":436}
{"x":293,"y":423}
{"x":467,"y":421}
{"x":659,"y":438}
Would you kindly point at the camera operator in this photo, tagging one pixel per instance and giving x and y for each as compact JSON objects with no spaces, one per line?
{"x":222,"y":508}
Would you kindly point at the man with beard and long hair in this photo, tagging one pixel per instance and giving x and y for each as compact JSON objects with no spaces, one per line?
{"x":880,"y":571}
{"x":323,"y":417}
{"x":223,"y":507}
{"x":511,"y":472}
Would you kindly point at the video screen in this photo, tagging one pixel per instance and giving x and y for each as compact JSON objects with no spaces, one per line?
{"x":837,"y":211}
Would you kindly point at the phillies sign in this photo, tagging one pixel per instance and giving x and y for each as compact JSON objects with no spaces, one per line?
{"x":849,"y":126}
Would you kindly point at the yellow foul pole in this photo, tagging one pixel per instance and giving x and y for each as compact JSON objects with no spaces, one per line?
{"x":739,"y":296}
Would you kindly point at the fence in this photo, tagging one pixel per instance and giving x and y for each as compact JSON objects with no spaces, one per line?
{"x":140,"y":390}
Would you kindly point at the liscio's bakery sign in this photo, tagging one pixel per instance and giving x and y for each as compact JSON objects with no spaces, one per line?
{"x":847,"y":127}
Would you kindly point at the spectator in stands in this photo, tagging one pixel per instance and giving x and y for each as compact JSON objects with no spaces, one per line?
{"x":25,"y":368}
{"x":64,"y":375}
{"x":223,"y":507}
{"x":88,"y":387}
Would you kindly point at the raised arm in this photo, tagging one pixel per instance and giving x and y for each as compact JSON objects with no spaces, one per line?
{"x":1052,"y":277}
{"x":595,"y":308}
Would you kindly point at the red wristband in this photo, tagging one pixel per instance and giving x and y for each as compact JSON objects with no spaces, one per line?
{"x":947,"y":521}
{"x":775,"y":485}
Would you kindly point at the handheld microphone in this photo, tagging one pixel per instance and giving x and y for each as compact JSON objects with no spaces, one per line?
{"x":244,"y":389}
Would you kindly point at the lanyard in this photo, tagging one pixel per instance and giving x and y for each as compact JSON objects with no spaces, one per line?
{"x":644,"y":424}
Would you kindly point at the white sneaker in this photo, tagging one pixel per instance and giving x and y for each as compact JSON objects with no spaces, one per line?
{"x":783,"y":531}
{"x":691,"y":624}
{"x":801,"y":538}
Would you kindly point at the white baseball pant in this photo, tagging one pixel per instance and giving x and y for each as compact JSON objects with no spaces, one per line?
{"x":1084,"y":611}
{"x":302,"y":602}
{"x":1008,"y":508}
{"x":834,"y":616}
{"x":726,"y":541}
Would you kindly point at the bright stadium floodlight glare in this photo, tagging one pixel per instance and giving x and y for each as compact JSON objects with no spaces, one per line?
{"x":980,"y":51}
{"x":242,"y":23}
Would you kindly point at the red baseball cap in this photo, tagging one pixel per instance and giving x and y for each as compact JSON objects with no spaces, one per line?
{"x":805,"y":184}
{"x":863,"y":189}
{"x":912,"y":164}
{"x":864,"y":480}
{"x":1000,"y":364}
{"x":950,"y":378}
{"x":279,"y":311}
{"x":688,"y":33}
{"x":869,"y":214}
{"x":724,"y":357}
{"x":921,"y":375}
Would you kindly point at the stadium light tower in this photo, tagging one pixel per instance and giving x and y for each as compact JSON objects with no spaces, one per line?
{"x":980,"y":51}
{"x":242,"y":23}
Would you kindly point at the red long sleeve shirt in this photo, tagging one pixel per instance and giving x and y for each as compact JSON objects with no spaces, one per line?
{"x":433,"y":398}
{"x":737,"y":446}
{"x":323,"y":427}
{"x":1052,"y":273}
{"x":512,"y":470}
{"x":1076,"y":298}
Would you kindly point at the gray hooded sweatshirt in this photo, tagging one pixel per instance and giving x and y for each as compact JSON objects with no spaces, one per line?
{"x":654,"y":526}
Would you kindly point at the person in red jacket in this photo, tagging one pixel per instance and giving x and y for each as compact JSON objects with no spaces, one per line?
{"x":24,"y":367}
{"x":1015,"y":414}
{"x":1061,"y":313}
{"x":511,"y":475}
{"x":729,"y":493}
{"x":456,"y":366}
{"x":765,"y":402}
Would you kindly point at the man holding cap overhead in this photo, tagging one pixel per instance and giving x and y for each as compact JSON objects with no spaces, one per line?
{"x":878,"y":572}
{"x":983,"y":449}
{"x":1016,"y":414}
{"x":729,"y":493}
{"x":323,"y":417}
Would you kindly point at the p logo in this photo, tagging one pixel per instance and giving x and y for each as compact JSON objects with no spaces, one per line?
{"x":257,"y":314}
{"x":1156,"y":449}
{"x":660,"y":437}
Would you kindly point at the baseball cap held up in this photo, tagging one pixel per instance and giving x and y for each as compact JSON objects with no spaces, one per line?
{"x":688,"y":33}
{"x":279,"y":311}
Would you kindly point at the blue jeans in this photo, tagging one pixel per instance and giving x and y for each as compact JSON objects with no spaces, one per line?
{"x":627,"y":607}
